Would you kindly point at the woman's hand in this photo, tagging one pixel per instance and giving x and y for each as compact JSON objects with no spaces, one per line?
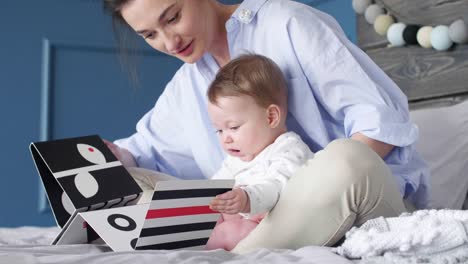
{"x":121,"y":154}
{"x":232,"y":202}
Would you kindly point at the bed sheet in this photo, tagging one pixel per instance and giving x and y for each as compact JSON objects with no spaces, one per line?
{"x":30,"y":245}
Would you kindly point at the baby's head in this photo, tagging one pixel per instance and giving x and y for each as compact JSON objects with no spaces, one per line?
{"x":248,"y":105}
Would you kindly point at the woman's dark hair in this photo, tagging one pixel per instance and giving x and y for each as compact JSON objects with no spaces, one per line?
{"x":124,"y":35}
{"x":114,"y":7}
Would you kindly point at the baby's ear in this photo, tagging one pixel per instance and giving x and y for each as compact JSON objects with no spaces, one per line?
{"x":274,"y":115}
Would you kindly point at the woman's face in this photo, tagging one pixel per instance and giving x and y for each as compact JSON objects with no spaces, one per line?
{"x":181,"y":28}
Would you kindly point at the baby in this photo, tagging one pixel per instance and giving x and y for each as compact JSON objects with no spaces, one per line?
{"x":248,"y":108}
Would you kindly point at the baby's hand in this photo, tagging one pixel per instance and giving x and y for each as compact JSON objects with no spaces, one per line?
{"x":232,"y":202}
{"x":121,"y":154}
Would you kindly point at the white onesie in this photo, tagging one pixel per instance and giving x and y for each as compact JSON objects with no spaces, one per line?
{"x":265,"y":176}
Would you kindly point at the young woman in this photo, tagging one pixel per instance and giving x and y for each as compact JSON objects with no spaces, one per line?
{"x":335,"y":92}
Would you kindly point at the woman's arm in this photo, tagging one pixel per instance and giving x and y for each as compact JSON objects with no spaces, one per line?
{"x":349,"y":86}
{"x":159,"y":142}
{"x":379,"y":147}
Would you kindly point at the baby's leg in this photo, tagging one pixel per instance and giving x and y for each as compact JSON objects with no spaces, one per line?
{"x":229,"y":232}
{"x":216,"y":237}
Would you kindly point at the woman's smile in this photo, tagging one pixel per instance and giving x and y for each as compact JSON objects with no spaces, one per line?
{"x":186,"y":51}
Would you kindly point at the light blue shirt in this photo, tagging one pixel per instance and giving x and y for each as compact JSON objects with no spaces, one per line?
{"x":335,"y":90}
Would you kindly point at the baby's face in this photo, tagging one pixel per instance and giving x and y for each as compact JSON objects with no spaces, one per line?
{"x":242,"y":126}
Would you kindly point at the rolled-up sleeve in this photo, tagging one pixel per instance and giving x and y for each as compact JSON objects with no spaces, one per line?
{"x":380,"y":122}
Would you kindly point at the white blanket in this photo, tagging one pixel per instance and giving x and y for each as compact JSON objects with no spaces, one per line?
{"x":28,"y":245}
{"x":425,"y":236}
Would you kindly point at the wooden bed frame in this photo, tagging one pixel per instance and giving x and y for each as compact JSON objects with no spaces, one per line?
{"x":426,"y":76}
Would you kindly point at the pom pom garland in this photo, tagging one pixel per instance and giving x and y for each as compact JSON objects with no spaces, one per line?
{"x":439,"y":37}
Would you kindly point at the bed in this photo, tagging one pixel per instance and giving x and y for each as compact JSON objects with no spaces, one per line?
{"x":436,"y":84}
{"x":441,"y":127}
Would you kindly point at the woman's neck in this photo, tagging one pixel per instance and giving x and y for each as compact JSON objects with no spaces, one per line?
{"x":220,"y":48}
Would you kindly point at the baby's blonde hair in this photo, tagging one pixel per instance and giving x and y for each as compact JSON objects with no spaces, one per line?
{"x":252,"y":75}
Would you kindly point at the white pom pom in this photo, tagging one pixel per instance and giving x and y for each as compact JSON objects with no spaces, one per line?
{"x":440,"y":38}
{"x":458,"y":32}
{"x":360,"y":6}
{"x":372,"y":12}
{"x":395,"y":34}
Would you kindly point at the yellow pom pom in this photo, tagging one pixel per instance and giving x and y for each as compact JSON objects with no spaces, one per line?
{"x":382,"y":23}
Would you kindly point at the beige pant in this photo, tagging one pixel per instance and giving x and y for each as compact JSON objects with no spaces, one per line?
{"x":343,"y":185}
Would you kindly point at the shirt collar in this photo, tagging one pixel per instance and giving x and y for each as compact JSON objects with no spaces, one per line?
{"x":247,"y":10}
{"x":244,"y":13}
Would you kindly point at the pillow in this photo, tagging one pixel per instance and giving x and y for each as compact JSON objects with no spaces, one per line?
{"x":443,"y":143}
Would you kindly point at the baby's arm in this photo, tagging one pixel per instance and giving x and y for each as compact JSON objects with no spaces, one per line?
{"x":231,"y":202}
{"x":286,"y":157}
{"x":261,"y":189}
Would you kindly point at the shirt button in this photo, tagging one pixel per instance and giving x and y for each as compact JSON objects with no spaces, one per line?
{"x":245,"y":15}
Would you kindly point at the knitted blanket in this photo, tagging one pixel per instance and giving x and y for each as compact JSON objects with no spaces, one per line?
{"x":425,"y":236}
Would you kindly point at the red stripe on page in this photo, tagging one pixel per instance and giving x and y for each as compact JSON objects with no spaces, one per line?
{"x":181,"y":211}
